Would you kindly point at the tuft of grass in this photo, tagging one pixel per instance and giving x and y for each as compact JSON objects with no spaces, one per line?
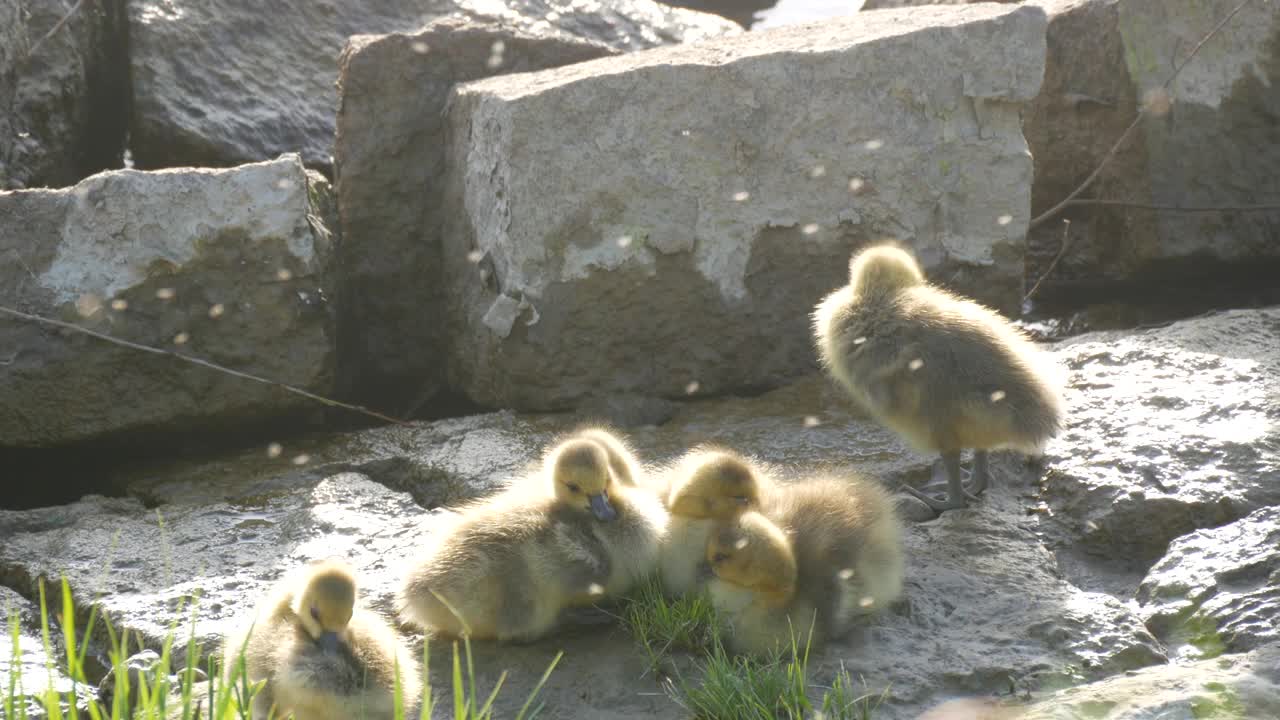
{"x":662,"y":625}
{"x":728,"y":686}
{"x":162,"y":696}
{"x":738,"y":687}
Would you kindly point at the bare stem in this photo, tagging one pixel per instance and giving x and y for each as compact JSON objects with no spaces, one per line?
{"x":202,"y":363}
{"x":56,"y":27}
{"x":1176,"y":208}
{"x":1066,"y":227}
{"x":1051,"y":212}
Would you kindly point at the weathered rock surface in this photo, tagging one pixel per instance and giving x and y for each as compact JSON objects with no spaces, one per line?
{"x":985,"y":606}
{"x":1218,"y":589}
{"x":1169,"y":430}
{"x":223,"y":265}
{"x":663,"y":222}
{"x":991,"y":604}
{"x":63,"y":109}
{"x":1211,"y":141}
{"x":217,"y":83}
{"x":1233,"y":686}
{"x":740,"y":11}
{"x":389,"y":154}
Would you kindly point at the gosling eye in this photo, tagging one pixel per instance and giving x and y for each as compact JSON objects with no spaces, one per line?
{"x":719,"y":557}
{"x":573,"y":488}
{"x":315,"y":614}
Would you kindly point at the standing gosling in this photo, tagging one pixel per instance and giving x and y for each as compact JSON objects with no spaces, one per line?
{"x":708,"y":485}
{"x":754,"y":588}
{"x":323,"y":656}
{"x":942,"y":371}
{"x":508,"y":566}
{"x":847,"y":542}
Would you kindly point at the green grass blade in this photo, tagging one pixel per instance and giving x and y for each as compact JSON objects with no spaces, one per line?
{"x":538,"y":688}
{"x":459,"y":696}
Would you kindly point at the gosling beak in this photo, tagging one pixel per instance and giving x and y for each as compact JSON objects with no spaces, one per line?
{"x":741,"y":501}
{"x":329,"y":642}
{"x":601,"y":508}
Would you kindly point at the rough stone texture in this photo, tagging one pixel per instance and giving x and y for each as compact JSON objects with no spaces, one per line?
{"x":663,"y":222}
{"x":985,"y":606}
{"x":740,"y":11}
{"x":225,"y":82}
{"x":1236,"y":687}
{"x":888,"y":4}
{"x":1216,"y":144}
{"x":146,"y":257}
{"x":991,"y":605}
{"x":1168,"y":430}
{"x":63,"y":110}
{"x":1218,"y":589}
{"x":389,"y":154}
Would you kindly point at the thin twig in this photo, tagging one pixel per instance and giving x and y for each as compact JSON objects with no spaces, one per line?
{"x":56,"y":27}
{"x":202,"y":363}
{"x":1176,"y":208}
{"x":1066,"y":227}
{"x":1142,"y":112}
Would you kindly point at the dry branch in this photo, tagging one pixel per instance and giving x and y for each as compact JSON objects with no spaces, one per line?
{"x":56,"y":27}
{"x":1142,"y":112}
{"x":202,"y":363}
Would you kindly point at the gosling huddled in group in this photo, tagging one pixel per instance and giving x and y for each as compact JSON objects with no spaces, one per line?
{"x":783,"y":555}
{"x":321,"y":654}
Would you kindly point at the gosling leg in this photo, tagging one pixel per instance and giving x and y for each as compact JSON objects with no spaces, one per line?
{"x":956,"y":496}
{"x":981,"y":473}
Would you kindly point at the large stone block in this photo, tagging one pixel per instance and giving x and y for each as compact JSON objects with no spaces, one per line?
{"x":390,"y":159}
{"x":1218,"y":589}
{"x":64,"y":94}
{"x":221,"y":82}
{"x":223,"y":265}
{"x":1169,"y":430}
{"x":663,"y":222}
{"x":1211,"y":141}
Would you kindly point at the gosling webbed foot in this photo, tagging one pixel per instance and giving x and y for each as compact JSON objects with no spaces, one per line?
{"x":957,"y":497}
{"x":949,"y":502}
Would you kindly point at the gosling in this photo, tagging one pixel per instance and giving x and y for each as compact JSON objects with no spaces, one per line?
{"x":755,"y":584}
{"x":847,"y":542}
{"x":709,"y":485}
{"x":622,"y":460}
{"x":942,"y":371}
{"x":507,"y":567}
{"x":323,"y":656}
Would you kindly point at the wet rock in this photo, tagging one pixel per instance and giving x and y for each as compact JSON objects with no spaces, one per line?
{"x":63,"y":108}
{"x":1168,"y":430}
{"x":1218,"y":589}
{"x":986,"y":608}
{"x":389,"y":154}
{"x":1233,"y":686}
{"x":148,"y":667}
{"x":1210,"y":141}
{"x":35,"y":670}
{"x":889,"y":4}
{"x":742,"y":12}
{"x":153,"y":567}
{"x":227,"y":266}
{"x":227,"y":82}
{"x":672,"y":239}
{"x":986,"y":612}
